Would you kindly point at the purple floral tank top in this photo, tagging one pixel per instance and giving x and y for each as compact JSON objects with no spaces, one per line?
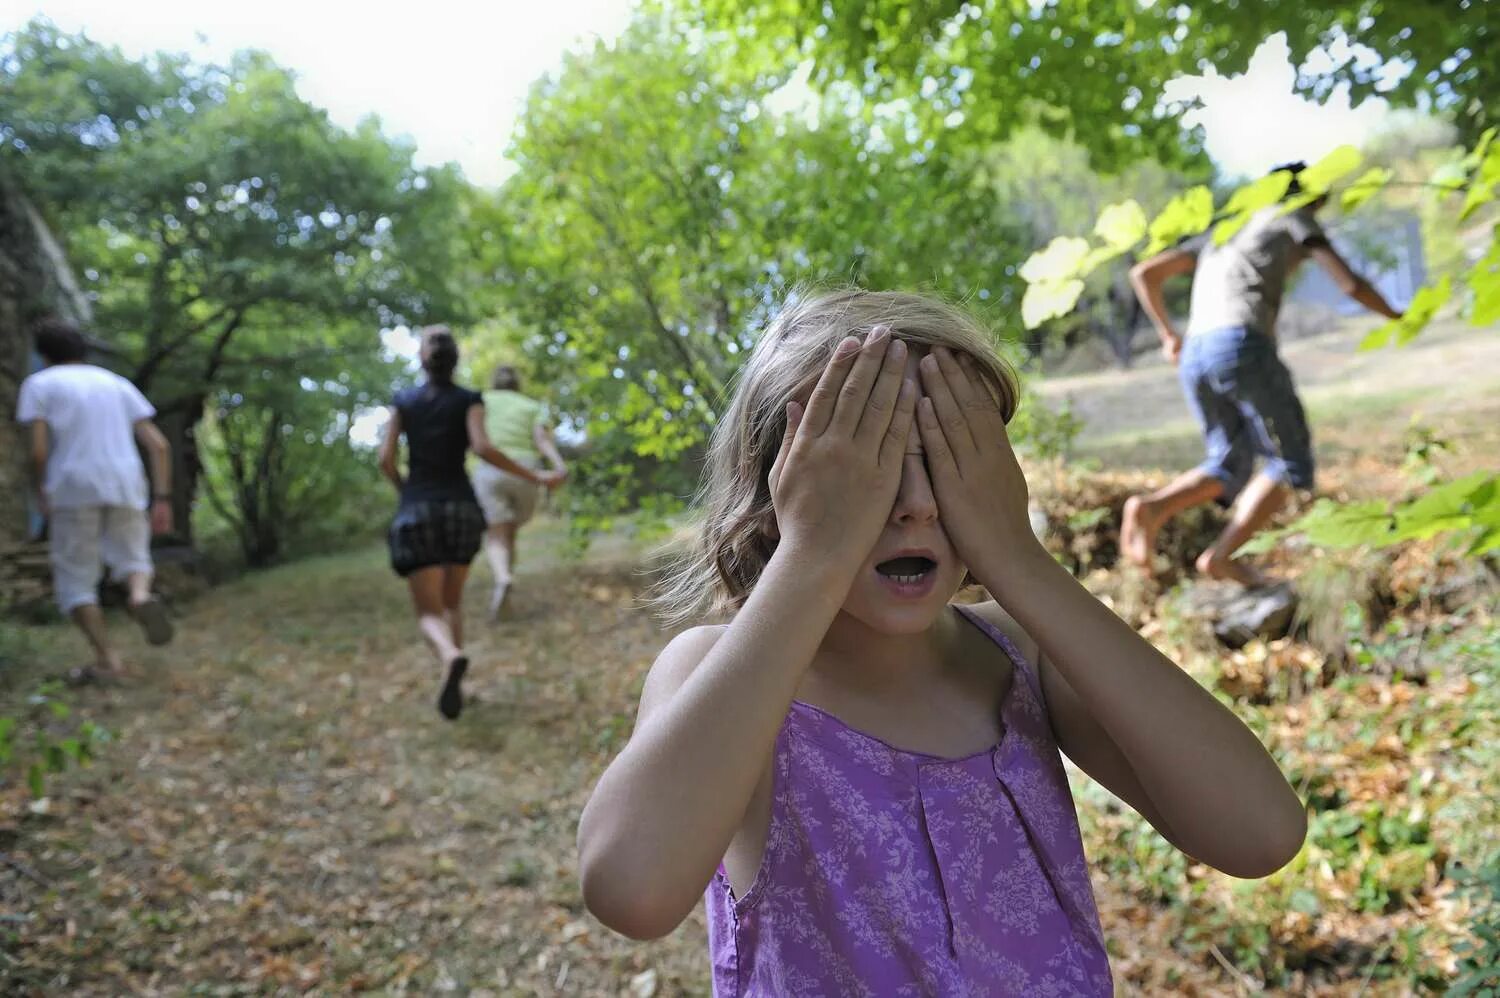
{"x":889,"y":872}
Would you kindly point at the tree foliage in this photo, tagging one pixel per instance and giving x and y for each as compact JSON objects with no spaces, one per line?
{"x":1099,"y":70}
{"x":665,"y":201}
{"x":228,"y":232}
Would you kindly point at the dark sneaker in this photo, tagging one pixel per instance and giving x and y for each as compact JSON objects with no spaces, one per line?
{"x":451,"y":701}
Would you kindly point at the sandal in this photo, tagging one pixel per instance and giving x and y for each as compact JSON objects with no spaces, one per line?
{"x":152,"y":616}
{"x":83,"y":675}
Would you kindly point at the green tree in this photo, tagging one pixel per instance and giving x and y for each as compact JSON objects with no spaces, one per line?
{"x":227,"y":230}
{"x":1097,"y":70}
{"x":662,"y":205}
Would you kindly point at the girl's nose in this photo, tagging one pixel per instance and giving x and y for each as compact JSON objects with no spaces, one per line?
{"x":915,"y":503}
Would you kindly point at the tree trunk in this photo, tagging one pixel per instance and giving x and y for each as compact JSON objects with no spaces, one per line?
{"x":179,"y":425}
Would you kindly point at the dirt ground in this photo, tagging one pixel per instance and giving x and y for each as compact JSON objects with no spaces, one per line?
{"x":283,"y":811}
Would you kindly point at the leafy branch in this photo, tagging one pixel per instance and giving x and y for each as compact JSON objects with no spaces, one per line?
{"x":1055,"y":275}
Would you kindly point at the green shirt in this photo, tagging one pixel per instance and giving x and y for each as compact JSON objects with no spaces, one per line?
{"x":509,"y":418}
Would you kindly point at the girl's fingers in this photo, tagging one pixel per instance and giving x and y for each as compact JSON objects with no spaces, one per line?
{"x":950,"y":415}
{"x":850,"y":403}
{"x":986,"y":405}
{"x":893,"y":447}
{"x":793,"y":420}
{"x":964,"y":393}
{"x":881,"y":405}
{"x":825,"y":394}
{"x":934,"y":442}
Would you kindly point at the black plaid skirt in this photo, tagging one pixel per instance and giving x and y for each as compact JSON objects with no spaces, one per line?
{"x":425,"y":534}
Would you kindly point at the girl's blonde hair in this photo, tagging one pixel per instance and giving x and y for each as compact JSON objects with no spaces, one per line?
{"x":736,"y":538}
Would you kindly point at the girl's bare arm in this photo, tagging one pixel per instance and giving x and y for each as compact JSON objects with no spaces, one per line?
{"x":1121,"y":709}
{"x":663,"y":814}
{"x":479,"y":443}
{"x":388,"y":448}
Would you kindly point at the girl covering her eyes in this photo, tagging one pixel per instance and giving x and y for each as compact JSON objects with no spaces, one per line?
{"x":862,"y":779}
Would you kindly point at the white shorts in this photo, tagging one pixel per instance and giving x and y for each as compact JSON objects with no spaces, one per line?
{"x":505,"y":498}
{"x":84,"y":539}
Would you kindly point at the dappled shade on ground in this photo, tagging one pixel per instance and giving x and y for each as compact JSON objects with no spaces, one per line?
{"x":284,"y":809}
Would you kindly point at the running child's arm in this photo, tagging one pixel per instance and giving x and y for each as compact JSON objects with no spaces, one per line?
{"x":664,"y":812}
{"x":159,"y":451}
{"x":389,"y":447}
{"x":1149,"y":277}
{"x":1199,"y":775}
{"x":547,"y":447}
{"x":41,"y":445}
{"x":1349,"y":282}
{"x":479,"y":443}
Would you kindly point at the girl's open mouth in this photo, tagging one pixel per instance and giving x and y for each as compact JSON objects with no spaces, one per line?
{"x":908,"y":576}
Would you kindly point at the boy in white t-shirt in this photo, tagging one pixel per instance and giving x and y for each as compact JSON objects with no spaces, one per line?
{"x":85,"y":424}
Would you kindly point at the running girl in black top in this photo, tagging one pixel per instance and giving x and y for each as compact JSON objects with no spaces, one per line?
{"x":438,"y":525}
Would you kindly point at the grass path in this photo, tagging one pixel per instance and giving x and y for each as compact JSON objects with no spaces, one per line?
{"x":284,"y":808}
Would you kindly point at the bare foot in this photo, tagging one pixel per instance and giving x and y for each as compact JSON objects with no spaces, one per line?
{"x":1215,"y":566}
{"x":1138,"y":532}
{"x":113,"y":668}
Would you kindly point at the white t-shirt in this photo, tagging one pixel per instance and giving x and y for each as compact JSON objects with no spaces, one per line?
{"x":91,"y":414}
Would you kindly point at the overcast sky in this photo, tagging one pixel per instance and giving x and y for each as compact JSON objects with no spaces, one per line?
{"x":453,"y":75}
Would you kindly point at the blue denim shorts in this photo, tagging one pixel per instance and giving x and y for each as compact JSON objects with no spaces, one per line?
{"x":1247,"y":407}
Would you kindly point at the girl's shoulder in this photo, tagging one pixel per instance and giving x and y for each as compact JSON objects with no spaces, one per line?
{"x":676,"y":662}
{"x":994,"y":614}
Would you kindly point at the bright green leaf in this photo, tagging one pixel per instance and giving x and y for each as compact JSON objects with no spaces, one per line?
{"x":1049,"y":299}
{"x":1322,"y":174}
{"x":1098,"y":255}
{"x":1121,"y":225}
{"x":1058,"y":262}
{"x":1187,"y":214}
{"x":1368,"y":185}
{"x":1259,"y":194}
{"x":1486,"y":300}
{"x":1486,"y":542}
{"x":1248,"y":200}
{"x":1450,"y":176}
{"x":1334,"y":525}
{"x":1378,"y":337}
{"x":1480,"y":194}
{"x":1445,"y":507}
{"x":1481,"y":148}
{"x":1423,"y":306}
{"x":36,"y":779}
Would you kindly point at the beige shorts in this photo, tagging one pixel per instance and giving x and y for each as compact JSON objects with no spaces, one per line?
{"x":505,"y":498}
{"x":85,"y":539}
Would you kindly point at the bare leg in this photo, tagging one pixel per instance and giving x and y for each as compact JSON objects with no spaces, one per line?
{"x":1145,"y":515}
{"x":429,"y":588}
{"x":1260,"y":501}
{"x":500,"y":550}
{"x":426,"y":586}
{"x":90,"y":621}
{"x":454,"y":577}
{"x":139,"y":586}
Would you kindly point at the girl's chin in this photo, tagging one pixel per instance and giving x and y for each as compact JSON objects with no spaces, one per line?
{"x":900,"y":613}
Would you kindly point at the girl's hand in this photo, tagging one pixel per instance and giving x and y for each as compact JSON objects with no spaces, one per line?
{"x":981,"y":493}
{"x":835,"y":479}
